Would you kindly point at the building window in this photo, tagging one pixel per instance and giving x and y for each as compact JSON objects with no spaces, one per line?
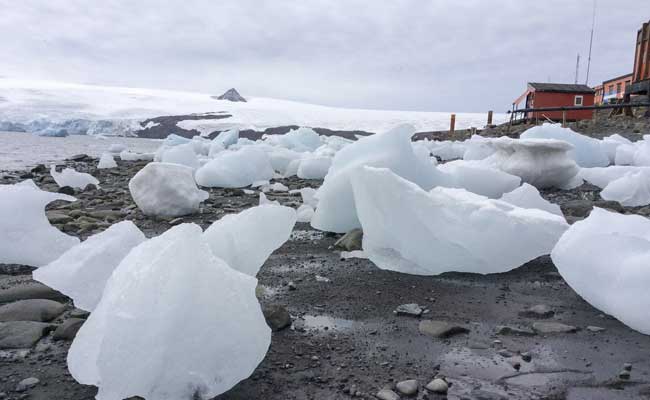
{"x":618,"y":88}
{"x":611,"y":89}
{"x":577,"y":101}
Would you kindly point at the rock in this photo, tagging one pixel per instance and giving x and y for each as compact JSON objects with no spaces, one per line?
{"x":513,"y":331}
{"x":538,"y":311}
{"x":21,"y":334}
{"x":39,"y":310}
{"x":595,"y":329}
{"x":80,"y":157}
{"x":387,"y":394}
{"x":526,"y":356}
{"x":27,"y":383}
{"x":610,"y":205}
{"x":66,"y":190}
{"x":438,"y":386}
{"x":68,"y":329}
{"x":440,"y":329}
{"x":553,"y":327}
{"x":577,"y":208}
{"x":412,"y":309}
{"x":78,"y":313}
{"x":627,"y":367}
{"x":505,"y":353}
{"x":408,"y":387}
{"x":39,"y":169}
{"x":232,"y":95}
{"x":350,"y":241}
{"x":58,"y":218}
{"x":292,"y":286}
{"x":625,"y":375}
{"x":32,"y":290}
{"x":277,"y":316}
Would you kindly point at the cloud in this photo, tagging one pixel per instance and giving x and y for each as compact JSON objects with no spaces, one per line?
{"x":410,"y":54}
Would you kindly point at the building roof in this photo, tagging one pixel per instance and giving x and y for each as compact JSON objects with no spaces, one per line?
{"x":618,"y":77}
{"x":560,"y":87}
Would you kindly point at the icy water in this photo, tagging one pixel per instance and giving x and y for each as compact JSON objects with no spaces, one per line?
{"x":21,"y":150}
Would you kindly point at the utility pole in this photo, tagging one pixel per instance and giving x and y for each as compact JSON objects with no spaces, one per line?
{"x":577,"y":68}
{"x":591,"y":41}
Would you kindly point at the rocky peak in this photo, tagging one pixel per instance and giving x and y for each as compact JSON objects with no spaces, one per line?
{"x":231,"y":95}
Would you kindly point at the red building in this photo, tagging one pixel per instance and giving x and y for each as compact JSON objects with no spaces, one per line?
{"x":539,"y":95}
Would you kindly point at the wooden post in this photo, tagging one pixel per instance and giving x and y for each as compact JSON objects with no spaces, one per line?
{"x":489,"y":118}
{"x":452,"y":124}
{"x":563,"y":118}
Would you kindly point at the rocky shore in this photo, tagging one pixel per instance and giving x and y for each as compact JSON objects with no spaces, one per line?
{"x":343,"y":328}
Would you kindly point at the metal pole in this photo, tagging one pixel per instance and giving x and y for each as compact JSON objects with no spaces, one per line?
{"x":489,"y":118}
{"x":591,"y":41}
{"x":452,"y":123}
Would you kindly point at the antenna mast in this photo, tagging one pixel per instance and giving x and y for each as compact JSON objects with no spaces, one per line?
{"x":591,"y":41}
{"x":577,"y":68}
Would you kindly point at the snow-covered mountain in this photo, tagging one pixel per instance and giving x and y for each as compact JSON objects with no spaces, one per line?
{"x":54,"y":107}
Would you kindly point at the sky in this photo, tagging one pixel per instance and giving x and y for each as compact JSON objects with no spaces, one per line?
{"x":425,"y":55}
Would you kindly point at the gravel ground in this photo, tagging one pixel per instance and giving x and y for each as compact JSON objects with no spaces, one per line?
{"x":345,"y":340}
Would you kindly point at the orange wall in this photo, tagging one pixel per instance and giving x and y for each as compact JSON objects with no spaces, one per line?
{"x":611,"y":88}
{"x":549,"y":99}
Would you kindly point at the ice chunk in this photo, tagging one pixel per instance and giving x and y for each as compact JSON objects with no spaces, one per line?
{"x":301,"y":139}
{"x":308,"y":196}
{"x":478,"y":148}
{"x":543,"y":163}
{"x":247,"y":239}
{"x":610,"y":144}
{"x":274,"y":187}
{"x":175,"y":140}
{"x":227,"y":138}
{"x":602,"y":176}
{"x":605,"y":259}
{"x":106,"y":161}
{"x":235,"y":169}
{"x":305,"y":213}
{"x":446,"y":150}
{"x":175,"y":322}
{"x":182,"y":154}
{"x":631,"y":190}
{"x":642,"y":153}
{"x":336,"y":211}
{"x":478,"y":178}
{"x":26,"y":236}
{"x":281,"y":157}
{"x":131,"y":156}
{"x":264,"y":200}
{"x":116,"y":148}
{"x":408,"y":230}
{"x":314,"y":167}
{"x":527,"y":196}
{"x":586,"y":152}
{"x":625,"y":154}
{"x":72,"y":178}
{"x":166,"y":190}
{"x":81,"y":272}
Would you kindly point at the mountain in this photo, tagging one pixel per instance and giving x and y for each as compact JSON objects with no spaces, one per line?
{"x":232,"y":95}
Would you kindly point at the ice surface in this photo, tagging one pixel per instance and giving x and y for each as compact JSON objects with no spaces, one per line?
{"x":642,"y":153}
{"x":543,"y":163}
{"x":447,"y":150}
{"x":235,"y":169}
{"x":336,"y":210}
{"x":247,"y":239}
{"x":182,"y":154}
{"x":82,"y":272}
{"x":314,"y":167}
{"x":301,"y":140}
{"x":26,"y":235}
{"x":281,"y":157}
{"x":631,"y":190}
{"x":166,"y":190}
{"x":227,"y":138}
{"x":606,"y":260}
{"x":527,"y":196}
{"x":586,"y":152}
{"x":478,"y":178}
{"x":127,"y":155}
{"x":478,"y":148}
{"x":610,"y":144}
{"x":305,"y":213}
{"x":602,"y":176}
{"x":175,"y":322}
{"x":265,"y":201}
{"x":72,"y":178}
{"x":106,"y":161}
{"x":625,"y":154}
{"x":308,"y":196}
{"x":409,"y":230}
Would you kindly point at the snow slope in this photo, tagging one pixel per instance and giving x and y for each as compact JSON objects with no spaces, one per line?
{"x":23,"y":101}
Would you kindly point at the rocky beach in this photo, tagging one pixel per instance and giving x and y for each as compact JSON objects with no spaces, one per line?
{"x":343,"y":328}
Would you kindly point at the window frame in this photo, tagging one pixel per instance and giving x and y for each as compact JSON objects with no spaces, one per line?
{"x":575,"y":100}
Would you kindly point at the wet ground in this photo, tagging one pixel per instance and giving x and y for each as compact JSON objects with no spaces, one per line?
{"x":347,"y":342}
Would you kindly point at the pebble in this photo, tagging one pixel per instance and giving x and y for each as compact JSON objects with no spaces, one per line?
{"x":277,"y":316}
{"x":387,"y":394}
{"x":627,"y":367}
{"x":625,"y":375}
{"x":513,"y":331}
{"x":27,"y":383}
{"x":408,"y":387}
{"x":526,"y":356}
{"x":538,"y":311}
{"x":437,"y":385}
{"x":440,"y":329}
{"x":596,"y":329}
{"x":553,"y":327}
{"x":411,"y":309}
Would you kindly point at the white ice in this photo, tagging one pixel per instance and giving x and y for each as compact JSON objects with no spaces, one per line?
{"x":409,"y":230}
{"x":82,"y":272}
{"x":227,"y":138}
{"x":166,"y":190}
{"x":106,"y":161}
{"x":586,"y":152}
{"x":175,"y":322}
{"x":182,"y":154}
{"x":606,"y":260}
{"x":631,"y":190}
{"x":305,"y":213}
{"x":72,"y":178}
{"x":314,"y":167}
{"x":478,"y":178}
{"x":602,"y":176}
{"x":527,"y":196}
{"x":26,"y":235}
{"x":127,"y":155}
{"x":610,"y":145}
{"x":247,"y":239}
{"x":235,"y":169}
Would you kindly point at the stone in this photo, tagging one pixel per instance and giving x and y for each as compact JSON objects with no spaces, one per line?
{"x":232,"y":95}
{"x":58,"y":218}
{"x":277,"y":316}
{"x":351,"y":241}
{"x":553,"y":327}
{"x":27,"y":383}
{"x":39,"y":310}
{"x":387,"y":394}
{"x":625,"y":375}
{"x":438,"y":386}
{"x":21,"y":334}
{"x":412,"y":310}
{"x":80,"y":157}
{"x":526,"y":356}
{"x":595,"y":329}
{"x":577,"y":208}
{"x":68,"y":329}
{"x":66,"y":190}
{"x":440,"y":329}
{"x":627,"y":367}
{"x":514,"y":331}
{"x":408,"y":387}
{"x":39,"y":169}
{"x":32,"y":290}
{"x":538,"y":311}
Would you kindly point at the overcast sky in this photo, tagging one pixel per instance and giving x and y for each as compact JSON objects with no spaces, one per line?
{"x":429,"y":55}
